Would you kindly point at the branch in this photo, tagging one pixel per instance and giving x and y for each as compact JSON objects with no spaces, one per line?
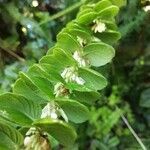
{"x":63,"y":12}
{"x":133,"y":132}
{"x":14,"y":55}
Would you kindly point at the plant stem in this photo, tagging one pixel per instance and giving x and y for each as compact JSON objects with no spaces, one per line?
{"x":14,"y":55}
{"x":63,"y":12}
{"x":133,"y":132}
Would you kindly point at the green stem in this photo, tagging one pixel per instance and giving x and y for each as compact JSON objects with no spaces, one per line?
{"x":133,"y":132}
{"x":63,"y":12}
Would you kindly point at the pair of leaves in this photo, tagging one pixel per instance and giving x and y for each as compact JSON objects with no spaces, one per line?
{"x":102,"y":10}
{"x":18,"y":109}
{"x":98,"y":54}
{"x":78,"y":113}
{"x":25,"y":113}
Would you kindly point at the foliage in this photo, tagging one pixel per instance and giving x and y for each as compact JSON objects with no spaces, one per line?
{"x":43,"y":95}
{"x":127,"y":90}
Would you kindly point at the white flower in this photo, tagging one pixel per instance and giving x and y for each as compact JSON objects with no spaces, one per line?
{"x":60,"y":90}
{"x":77,"y":56}
{"x":31,"y":131}
{"x":27,"y":141}
{"x":53,"y":111}
{"x":80,"y":81}
{"x":70,"y":75}
{"x":29,"y":136}
{"x":81,"y":41}
{"x":147,"y":8}
{"x":63,"y":114}
{"x":98,"y":26}
{"x":49,"y":111}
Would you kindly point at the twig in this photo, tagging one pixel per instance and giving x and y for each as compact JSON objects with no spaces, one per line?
{"x":133,"y":132}
{"x":14,"y":55}
{"x":63,"y":12}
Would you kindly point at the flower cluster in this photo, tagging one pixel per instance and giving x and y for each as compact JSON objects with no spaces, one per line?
{"x":98,"y":26}
{"x":53,"y":111}
{"x":70,"y":75}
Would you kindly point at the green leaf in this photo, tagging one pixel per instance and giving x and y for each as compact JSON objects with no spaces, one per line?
{"x":99,"y":54}
{"x":46,"y":71}
{"x":109,"y":36}
{"x":67,"y":42}
{"x":87,"y":18}
{"x":106,"y":117}
{"x":84,"y":11}
{"x":85,"y":97}
{"x":38,"y":84}
{"x":10,"y":138}
{"x":102,"y":5}
{"x":110,"y":25}
{"x":75,"y":111}
{"x":26,"y":88}
{"x":43,"y":84}
{"x":51,"y":71}
{"x":75,"y":25}
{"x":82,"y":34}
{"x":59,"y":59}
{"x":93,"y":80}
{"x":145,"y":98}
{"x":109,"y":12}
{"x":61,"y":131}
{"x":19,"y":109}
{"x":74,"y":86}
{"x":119,"y":3}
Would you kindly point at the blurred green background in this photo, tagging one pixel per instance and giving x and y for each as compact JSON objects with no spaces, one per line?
{"x":29,"y":28}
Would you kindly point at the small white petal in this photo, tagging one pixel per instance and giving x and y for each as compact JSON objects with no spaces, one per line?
{"x":83,"y":63}
{"x":63,"y":74}
{"x":73,"y":77}
{"x":27,"y":141}
{"x":76,"y":55}
{"x":53,"y":115}
{"x":80,"y":81}
{"x":79,"y":59}
{"x":98,"y":26}
{"x":63,"y":114}
{"x":49,"y":111}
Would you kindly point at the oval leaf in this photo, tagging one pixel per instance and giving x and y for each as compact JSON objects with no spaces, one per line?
{"x":67,"y":42}
{"x":78,"y":112}
{"x":102,"y":5}
{"x":30,"y":92}
{"x":87,"y":18}
{"x":109,"y":36}
{"x":93,"y":80}
{"x":18,"y":109}
{"x":85,"y":97}
{"x":61,"y":131}
{"x":99,"y":54}
{"x":109,"y":12}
